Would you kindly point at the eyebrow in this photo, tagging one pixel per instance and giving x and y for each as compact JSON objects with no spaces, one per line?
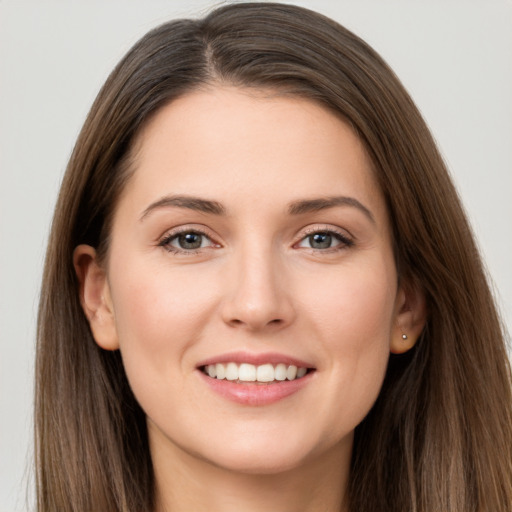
{"x":183,"y":201}
{"x":315,"y":205}
{"x":295,"y":208}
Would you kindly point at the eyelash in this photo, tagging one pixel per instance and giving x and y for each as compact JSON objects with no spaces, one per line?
{"x":165,"y":242}
{"x":345,"y":241}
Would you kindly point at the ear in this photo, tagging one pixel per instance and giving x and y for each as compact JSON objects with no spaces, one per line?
{"x":95,"y":297}
{"x":410,"y":317}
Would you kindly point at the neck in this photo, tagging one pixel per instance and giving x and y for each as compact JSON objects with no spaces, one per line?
{"x":185,"y":482}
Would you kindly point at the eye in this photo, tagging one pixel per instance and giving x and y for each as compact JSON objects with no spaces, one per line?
{"x":322,"y":240}
{"x":186,"y":241}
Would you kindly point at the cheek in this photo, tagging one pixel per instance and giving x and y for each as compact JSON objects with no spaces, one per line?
{"x":353,"y":303}
{"x":159,"y":315}
{"x":353,"y":324}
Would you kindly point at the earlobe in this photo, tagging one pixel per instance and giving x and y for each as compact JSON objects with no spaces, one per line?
{"x":94,"y":292}
{"x":410,"y":318}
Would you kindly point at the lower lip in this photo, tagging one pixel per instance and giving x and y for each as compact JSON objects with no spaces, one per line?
{"x":251,"y":393}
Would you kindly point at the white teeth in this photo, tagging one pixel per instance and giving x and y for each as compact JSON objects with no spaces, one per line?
{"x":291,"y":372}
{"x":246,"y":372}
{"x":265,"y":373}
{"x":280,"y":372}
{"x":220,"y":370}
{"x":232,"y":371}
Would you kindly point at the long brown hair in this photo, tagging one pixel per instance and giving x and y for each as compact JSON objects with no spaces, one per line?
{"x":439,"y":437}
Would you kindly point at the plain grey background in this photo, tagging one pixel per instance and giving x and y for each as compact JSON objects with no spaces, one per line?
{"x":454,"y":56}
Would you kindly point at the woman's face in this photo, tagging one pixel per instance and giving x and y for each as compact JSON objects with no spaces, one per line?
{"x":251,"y":239}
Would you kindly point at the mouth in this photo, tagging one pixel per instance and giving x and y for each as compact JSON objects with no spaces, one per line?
{"x":246,"y":373}
{"x":256,"y":379}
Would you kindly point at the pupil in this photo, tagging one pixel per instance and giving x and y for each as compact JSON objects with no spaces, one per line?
{"x":320,"y":240}
{"x":190,"y":241}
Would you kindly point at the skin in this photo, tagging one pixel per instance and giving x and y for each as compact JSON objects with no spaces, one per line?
{"x":255,"y":285}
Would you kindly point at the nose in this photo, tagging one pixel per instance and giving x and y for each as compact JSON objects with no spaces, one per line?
{"x":258,"y":295}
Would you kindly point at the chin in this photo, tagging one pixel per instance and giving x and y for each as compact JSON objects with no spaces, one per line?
{"x":268,"y":454}
{"x":258,"y":463}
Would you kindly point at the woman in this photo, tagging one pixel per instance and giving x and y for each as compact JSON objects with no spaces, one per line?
{"x":254,"y":216}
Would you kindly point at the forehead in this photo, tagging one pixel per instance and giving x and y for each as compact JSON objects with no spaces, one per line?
{"x":230,"y":143}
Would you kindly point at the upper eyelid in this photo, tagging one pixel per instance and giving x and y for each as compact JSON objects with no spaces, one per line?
{"x":192,"y":228}
{"x":324,"y":228}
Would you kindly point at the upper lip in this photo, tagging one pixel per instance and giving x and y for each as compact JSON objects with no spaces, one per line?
{"x":255,"y":359}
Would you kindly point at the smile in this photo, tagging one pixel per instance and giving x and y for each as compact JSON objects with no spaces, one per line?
{"x":262,"y":374}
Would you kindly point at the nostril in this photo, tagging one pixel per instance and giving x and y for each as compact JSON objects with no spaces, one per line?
{"x":238,"y":322}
